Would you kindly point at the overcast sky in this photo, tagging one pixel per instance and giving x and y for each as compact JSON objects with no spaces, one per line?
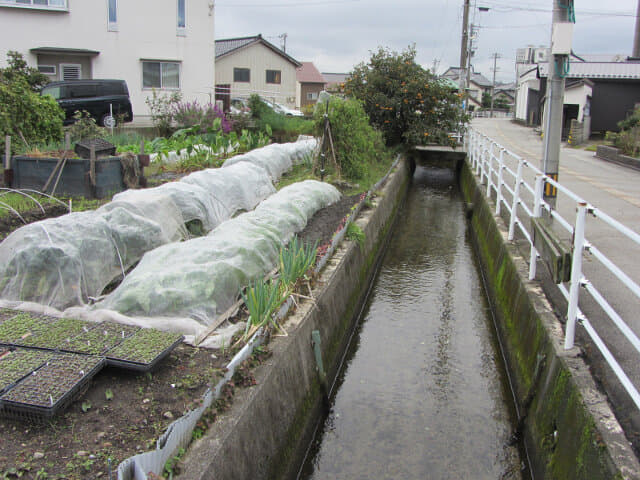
{"x":336,"y":35}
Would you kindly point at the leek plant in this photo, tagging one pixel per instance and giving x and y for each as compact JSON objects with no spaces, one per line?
{"x":262,"y":298}
{"x":295,"y":261}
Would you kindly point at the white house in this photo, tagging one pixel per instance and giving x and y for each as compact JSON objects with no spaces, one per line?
{"x":168,"y":45}
{"x":250,"y":65}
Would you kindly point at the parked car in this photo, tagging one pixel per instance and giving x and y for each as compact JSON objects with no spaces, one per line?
{"x":239,"y":106}
{"x":98,"y":97}
{"x":279,"y":108}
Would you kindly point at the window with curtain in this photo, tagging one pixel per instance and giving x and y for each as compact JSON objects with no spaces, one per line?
{"x":182,"y":18}
{"x":113,"y":15}
{"x":274,"y":76}
{"x":161,"y":75}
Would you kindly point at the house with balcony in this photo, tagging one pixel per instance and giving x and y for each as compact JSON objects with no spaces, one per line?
{"x":249,"y":65}
{"x":166,"y":45}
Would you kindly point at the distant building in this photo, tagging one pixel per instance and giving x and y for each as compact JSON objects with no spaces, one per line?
{"x":335,"y":81}
{"x":250,"y":65}
{"x":478,"y":84}
{"x":600,"y":90}
{"x":152,"y":45}
{"x":310,"y":84}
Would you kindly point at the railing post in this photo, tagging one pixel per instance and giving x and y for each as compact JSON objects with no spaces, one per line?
{"x":500,"y":180}
{"x":516,"y":201}
{"x":479,"y":164}
{"x":536,"y":213}
{"x":576,"y":275}
{"x":489,"y":163}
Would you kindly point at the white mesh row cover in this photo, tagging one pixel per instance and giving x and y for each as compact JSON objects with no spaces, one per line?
{"x":201,"y":278}
{"x":276,"y":158}
{"x":210,"y":196}
{"x":64,"y":261}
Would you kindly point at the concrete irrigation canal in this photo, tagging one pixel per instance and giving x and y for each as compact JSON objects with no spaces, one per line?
{"x":422,"y":393}
{"x":425,"y":353}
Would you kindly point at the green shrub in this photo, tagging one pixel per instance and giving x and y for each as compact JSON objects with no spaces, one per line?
{"x":85,"y":126}
{"x":25,"y":115}
{"x":628,"y":138}
{"x":408,"y":103}
{"x":357,"y":144}
{"x":162,"y":108}
{"x":266,"y":119}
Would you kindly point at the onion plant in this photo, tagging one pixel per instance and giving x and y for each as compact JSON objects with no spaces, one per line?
{"x":295,"y":261}
{"x":262,"y":298}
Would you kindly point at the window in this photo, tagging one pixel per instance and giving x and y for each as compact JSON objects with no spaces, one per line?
{"x":182,"y":18}
{"x":241,"y":75}
{"x":312,"y":95}
{"x":47,"y":69}
{"x":273,"y":76}
{"x":112,"y":13}
{"x":43,"y":4}
{"x":161,"y":75}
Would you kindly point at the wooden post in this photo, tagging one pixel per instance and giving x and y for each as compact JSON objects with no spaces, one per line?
{"x":7,"y":152}
{"x":67,"y":141}
{"x":141,"y":147}
{"x":92,"y":165}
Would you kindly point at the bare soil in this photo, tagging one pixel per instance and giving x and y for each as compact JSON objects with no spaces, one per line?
{"x":89,"y":443}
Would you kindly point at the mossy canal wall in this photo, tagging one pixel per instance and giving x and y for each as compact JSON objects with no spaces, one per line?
{"x":568,"y":427}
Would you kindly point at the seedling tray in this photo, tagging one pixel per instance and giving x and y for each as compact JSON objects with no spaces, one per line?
{"x":143,"y":350}
{"x":100,"y":339}
{"x":17,"y":364}
{"x":51,"y":388}
{"x":52,"y":334}
{"x":19,"y":327}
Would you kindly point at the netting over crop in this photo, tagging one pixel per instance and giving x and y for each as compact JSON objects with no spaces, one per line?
{"x":200,"y":278}
{"x":276,"y":158}
{"x":64,"y":261}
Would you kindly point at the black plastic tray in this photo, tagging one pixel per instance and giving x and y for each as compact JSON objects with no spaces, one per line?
{"x":129,"y":331}
{"x":27,"y":411}
{"x":142,"y":367}
{"x":35,"y":365}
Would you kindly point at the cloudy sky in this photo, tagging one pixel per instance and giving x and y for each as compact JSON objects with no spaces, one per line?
{"x":336,"y":35}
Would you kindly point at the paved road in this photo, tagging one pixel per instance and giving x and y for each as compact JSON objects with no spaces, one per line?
{"x":615,"y":190}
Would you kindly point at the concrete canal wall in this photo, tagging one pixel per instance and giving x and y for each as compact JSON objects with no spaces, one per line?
{"x":269,"y":425}
{"x":568,"y":426}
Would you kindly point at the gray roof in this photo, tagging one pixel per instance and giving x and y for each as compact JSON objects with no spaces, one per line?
{"x":454,"y":73}
{"x":335,"y":77}
{"x":610,"y":70}
{"x":227,"y":46}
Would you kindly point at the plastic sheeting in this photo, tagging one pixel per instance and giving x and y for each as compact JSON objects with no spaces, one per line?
{"x":201,"y":278}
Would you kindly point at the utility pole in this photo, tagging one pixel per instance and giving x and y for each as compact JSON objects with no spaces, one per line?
{"x":496,"y":56}
{"x":465,"y":35}
{"x":636,"y":38}
{"x":464,"y":56}
{"x":561,"y":33}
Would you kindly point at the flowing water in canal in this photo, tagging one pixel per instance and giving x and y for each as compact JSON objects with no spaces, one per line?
{"x":422,"y":393}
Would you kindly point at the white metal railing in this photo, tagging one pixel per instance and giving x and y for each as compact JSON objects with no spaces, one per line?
{"x":487,"y":114}
{"x":509,"y":176}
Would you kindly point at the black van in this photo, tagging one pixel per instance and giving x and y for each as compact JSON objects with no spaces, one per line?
{"x":98,"y":97}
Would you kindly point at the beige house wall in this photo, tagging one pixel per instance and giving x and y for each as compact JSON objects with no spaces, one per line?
{"x":258,"y":59}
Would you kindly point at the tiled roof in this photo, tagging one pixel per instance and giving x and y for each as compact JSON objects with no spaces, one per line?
{"x":228,"y":45}
{"x":610,"y":70}
{"x":308,"y":73}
